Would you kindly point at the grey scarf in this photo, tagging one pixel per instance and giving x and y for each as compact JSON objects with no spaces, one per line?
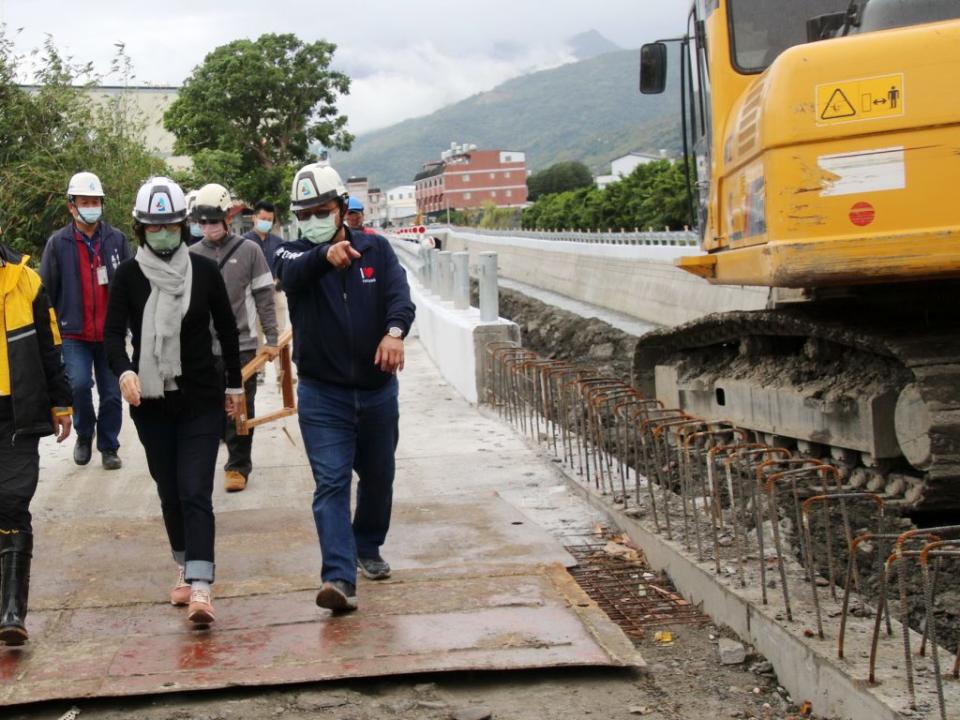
{"x":170,"y":284}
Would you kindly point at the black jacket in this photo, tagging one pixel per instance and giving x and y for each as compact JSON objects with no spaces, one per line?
{"x":200,"y":385}
{"x":339,"y":317}
{"x":32,"y":362}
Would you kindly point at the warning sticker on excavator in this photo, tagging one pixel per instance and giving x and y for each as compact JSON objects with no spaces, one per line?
{"x":871,"y":98}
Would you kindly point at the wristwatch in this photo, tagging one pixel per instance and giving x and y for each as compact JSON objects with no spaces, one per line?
{"x":395,"y":332}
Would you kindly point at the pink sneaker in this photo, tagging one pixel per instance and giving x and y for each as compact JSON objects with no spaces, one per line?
{"x":180,"y":595}
{"x":200,"y":612}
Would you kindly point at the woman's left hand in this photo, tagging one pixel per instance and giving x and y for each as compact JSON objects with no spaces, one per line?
{"x":232,"y":405}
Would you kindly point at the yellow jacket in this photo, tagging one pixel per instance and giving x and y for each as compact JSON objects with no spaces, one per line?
{"x":31,"y":364}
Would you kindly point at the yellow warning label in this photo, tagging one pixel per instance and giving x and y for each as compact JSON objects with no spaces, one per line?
{"x":864,"y":99}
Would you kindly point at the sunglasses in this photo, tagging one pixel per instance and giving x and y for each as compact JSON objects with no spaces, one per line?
{"x":316,"y":212}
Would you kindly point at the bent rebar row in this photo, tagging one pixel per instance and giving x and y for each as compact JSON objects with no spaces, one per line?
{"x":729,"y":496}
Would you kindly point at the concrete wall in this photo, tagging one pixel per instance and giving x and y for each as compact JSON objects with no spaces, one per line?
{"x":637,"y":280}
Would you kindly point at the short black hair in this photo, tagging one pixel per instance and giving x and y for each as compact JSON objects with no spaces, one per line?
{"x":264,"y":205}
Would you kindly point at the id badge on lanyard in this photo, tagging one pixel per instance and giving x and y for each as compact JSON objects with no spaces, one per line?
{"x":102,"y":278}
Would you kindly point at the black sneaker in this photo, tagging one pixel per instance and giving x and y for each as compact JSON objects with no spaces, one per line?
{"x":83,"y":450}
{"x":110,"y":460}
{"x":337,"y":595}
{"x":374,"y":568}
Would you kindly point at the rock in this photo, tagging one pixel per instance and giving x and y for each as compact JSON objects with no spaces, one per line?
{"x":425,"y":687}
{"x":313,"y":700}
{"x":431,"y":704}
{"x":602,"y":351}
{"x":763,"y":667}
{"x":731,"y":652}
{"x":401,"y":707}
{"x":638,"y":709}
{"x":472,"y":713}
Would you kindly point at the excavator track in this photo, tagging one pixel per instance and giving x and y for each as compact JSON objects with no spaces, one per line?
{"x":920,"y":353}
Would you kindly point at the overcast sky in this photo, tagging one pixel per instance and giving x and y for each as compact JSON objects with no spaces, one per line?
{"x":406,"y":57}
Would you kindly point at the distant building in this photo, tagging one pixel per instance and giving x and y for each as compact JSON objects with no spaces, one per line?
{"x":358,"y":188}
{"x":626,"y":164}
{"x":401,"y":204}
{"x":466,"y":178}
{"x":375,"y":209}
{"x":146,"y":105}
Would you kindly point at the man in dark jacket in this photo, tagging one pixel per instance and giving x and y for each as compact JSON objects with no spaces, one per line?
{"x":350,"y":309}
{"x":77,"y":267}
{"x":34,"y":401}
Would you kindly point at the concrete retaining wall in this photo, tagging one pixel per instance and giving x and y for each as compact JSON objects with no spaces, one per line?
{"x":637,"y":280}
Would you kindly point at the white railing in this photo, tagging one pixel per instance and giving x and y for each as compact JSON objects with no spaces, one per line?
{"x":680,"y":238}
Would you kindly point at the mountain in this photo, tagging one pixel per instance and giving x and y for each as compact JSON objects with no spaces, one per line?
{"x":591,"y":44}
{"x":590,"y":111}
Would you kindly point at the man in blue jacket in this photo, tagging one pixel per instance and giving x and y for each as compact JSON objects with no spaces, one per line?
{"x":77,"y":267}
{"x":350,"y":309}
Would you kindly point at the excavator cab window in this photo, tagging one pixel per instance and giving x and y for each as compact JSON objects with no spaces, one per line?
{"x":886,"y":14}
{"x":762,"y":29}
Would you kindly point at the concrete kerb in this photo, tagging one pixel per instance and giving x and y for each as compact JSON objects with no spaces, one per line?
{"x":806,"y":666}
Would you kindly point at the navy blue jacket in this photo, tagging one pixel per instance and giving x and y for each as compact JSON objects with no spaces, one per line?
{"x":60,"y":271}
{"x":339,"y":317}
{"x":269,"y":247}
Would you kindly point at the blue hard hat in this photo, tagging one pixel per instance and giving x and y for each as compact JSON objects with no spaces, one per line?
{"x":354,"y":205}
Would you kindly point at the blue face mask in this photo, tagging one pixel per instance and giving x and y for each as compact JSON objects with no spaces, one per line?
{"x":264,"y":226}
{"x":195,"y":230}
{"x":89,"y":215}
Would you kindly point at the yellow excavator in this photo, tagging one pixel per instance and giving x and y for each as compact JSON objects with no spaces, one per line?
{"x":824,"y":147}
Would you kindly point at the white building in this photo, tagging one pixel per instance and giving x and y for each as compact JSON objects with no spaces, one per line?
{"x":375,"y":211}
{"x":623,"y":166}
{"x":401,"y":204}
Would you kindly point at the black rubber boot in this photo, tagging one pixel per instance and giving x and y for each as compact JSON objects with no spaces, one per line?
{"x":16,"y":549}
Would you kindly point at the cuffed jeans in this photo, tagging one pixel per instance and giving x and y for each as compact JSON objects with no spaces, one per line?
{"x":182,"y":456}
{"x":83,"y":361}
{"x":345,"y":430}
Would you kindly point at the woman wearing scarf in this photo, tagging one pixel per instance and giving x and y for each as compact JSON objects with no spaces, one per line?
{"x":167,"y":297}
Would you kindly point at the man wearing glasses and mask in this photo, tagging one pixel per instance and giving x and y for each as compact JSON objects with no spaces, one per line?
{"x":350,"y":309}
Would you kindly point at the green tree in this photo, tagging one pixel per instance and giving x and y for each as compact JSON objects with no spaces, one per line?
{"x":55,"y":129}
{"x":253,"y":110}
{"x":653,"y":195}
{"x":557,"y":178}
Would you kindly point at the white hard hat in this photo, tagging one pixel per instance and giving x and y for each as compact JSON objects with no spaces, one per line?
{"x":191,"y":200}
{"x":212,"y":202}
{"x":85,"y":183}
{"x":160,"y":201}
{"x":316,"y":184}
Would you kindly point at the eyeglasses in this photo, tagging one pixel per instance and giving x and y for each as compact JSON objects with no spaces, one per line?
{"x":317,"y":212}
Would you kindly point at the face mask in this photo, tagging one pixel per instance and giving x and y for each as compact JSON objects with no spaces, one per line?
{"x":264,"y":226}
{"x":164,"y":241}
{"x":214,"y":232}
{"x":89,"y":215}
{"x":318,"y":230}
{"x":195,"y":230}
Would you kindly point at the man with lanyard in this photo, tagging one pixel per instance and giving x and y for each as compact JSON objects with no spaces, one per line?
{"x":250,"y":287}
{"x":264,"y":217}
{"x":77,"y":267}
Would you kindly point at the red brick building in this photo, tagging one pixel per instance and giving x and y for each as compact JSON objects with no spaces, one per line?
{"x":466,"y":178}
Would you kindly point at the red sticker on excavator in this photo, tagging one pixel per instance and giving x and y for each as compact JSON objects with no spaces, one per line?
{"x":862,"y":213}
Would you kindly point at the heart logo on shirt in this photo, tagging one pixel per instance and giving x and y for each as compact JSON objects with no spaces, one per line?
{"x":367,"y":272}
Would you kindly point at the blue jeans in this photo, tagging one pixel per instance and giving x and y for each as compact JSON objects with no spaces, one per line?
{"x":345,"y":430}
{"x":83,"y":360}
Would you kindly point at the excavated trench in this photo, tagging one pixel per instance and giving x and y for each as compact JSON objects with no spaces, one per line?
{"x":559,"y":334}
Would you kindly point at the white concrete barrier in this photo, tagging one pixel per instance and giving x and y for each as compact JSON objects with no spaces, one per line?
{"x":637,"y":280}
{"x":456,"y":340}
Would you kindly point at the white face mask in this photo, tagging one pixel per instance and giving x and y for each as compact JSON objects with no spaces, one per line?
{"x":264,"y":226}
{"x":89,"y":215}
{"x":318,"y":230}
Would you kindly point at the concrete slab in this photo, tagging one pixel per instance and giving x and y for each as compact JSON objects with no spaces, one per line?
{"x":478,"y":584}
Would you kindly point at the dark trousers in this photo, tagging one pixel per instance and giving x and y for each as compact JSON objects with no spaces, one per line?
{"x":83,"y":361}
{"x":346,"y":430}
{"x":181,"y":453}
{"x":239,"y":446}
{"x":19,"y":473}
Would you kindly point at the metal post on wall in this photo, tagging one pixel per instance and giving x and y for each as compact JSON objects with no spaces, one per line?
{"x":446,"y":275}
{"x":461,"y":280}
{"x":489,"y":292}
